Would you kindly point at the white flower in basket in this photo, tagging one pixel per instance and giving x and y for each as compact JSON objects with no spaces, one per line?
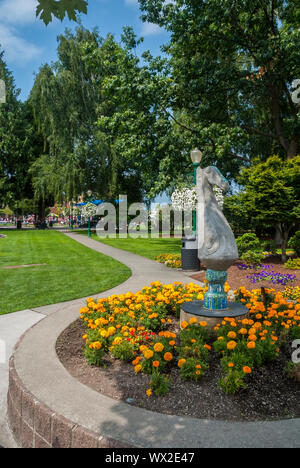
{"x":89,"y":210}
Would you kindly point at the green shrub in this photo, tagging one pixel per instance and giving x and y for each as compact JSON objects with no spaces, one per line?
{"x":248,"y":241}
{"x":193,"y":369}
{"x":123,"y":351}
{"x":252,"y":258}
{"x":294,"y":243}
{"x":159,"y":384}
{"x":293,"y":264}
{"x":269,"y":246}
{"x":233,"y":382}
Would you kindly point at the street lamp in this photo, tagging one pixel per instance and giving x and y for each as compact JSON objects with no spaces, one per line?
{"x":89,"y":193}
{"x":196,"y":157}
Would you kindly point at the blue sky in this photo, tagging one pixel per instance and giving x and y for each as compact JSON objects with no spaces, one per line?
{"x":28,"y":43}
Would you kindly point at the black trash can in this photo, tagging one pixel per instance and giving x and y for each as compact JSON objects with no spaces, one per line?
{"x":189,"y":254}
{"x":19,"y":224}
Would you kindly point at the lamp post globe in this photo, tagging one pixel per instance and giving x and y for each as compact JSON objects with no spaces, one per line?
{"x":196,"y":156}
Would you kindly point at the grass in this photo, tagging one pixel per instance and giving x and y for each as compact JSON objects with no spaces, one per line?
{"x":146,"y":247}
{"x":72,"y":270}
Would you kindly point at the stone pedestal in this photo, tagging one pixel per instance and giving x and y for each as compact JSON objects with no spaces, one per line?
{"x":197,"y":310}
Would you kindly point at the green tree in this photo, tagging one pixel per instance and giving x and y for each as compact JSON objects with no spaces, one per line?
{"x":68,"y":100}
{"x":232,"y":65}
{"x":19,"y":143}
{"x":271,"y":195}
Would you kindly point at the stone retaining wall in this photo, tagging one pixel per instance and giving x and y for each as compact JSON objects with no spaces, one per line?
{"x":34,"y":425}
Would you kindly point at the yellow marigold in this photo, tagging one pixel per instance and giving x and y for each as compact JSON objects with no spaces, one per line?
{"x":138,"y":368}
{"x":184,"y":324}
{"x":203,"y":324}
{"x":111,"y":331}
{"x":148,"y":353}
{"x":158,"y":347}
{"x":168,"y":356}
{"x":149,"y":392}
{"x":97,"y":345}
{"x":231,"y":345}
{"x":243,"y":331}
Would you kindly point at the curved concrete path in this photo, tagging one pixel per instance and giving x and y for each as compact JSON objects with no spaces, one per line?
{"x":44,"y":376}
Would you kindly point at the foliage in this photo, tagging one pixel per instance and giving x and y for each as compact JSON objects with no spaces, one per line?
{"x":159,"y":384}
{"x":68,"y":99}
{"x":231,"y":68}
{"x":253,"y":258}
{"x":294,"y":243}
{"x":123,"y":351}
{"x":293,"y":264}
{"x":19,"y":143}
{"x":269,"y":246}
{"x":247,"y":242}
{"x":271,"y":195}
{"x":59,"y":9}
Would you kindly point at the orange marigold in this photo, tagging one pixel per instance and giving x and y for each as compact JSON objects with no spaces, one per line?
{"x":168,"y":356}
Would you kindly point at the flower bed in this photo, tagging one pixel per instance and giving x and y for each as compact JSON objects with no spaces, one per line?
{"x":143,"y":329}
{"x":170,"y":260}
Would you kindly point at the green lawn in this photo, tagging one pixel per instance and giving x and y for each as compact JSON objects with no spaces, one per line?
{"x":149,"y":248}
{"x":72,"y":270}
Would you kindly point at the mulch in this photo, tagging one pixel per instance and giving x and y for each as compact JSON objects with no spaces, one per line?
{"x":238,"y":278}
{"x":271,"y":393}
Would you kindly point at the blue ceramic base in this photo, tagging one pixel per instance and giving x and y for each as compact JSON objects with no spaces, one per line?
{"x":216,"y":297}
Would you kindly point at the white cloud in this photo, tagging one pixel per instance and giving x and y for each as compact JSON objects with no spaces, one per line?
{"x":150,"y":29}
{"x":17,"y":11}
{"x":16,"y":49}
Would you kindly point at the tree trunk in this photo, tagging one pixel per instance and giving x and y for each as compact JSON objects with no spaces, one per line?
{"x":284,"y":246}
{"x":292,"y":150}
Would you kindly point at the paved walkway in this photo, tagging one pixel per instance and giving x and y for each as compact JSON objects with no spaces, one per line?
{"x":12,"y":326}
{"x":43,"y":375}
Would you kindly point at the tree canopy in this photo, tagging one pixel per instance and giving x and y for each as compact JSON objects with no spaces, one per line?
{"x":271,"y":195}
{"x":19,"y":143}
{"x":232,"y":65}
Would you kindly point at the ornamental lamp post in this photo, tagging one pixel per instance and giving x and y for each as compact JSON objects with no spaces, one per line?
{"x":89,"y":193}
{"x":196,"y":157}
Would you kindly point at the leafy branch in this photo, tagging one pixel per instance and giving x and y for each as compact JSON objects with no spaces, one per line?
{"x":59,"y":9}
